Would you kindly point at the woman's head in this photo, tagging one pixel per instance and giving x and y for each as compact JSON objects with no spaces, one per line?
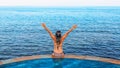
{"x":58,"y":36}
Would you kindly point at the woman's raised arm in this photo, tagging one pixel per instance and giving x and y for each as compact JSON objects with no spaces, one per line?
{"x":50,"y":33}
{"x":66,"y":34}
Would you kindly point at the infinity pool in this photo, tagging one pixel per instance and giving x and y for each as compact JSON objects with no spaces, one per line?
{"x":60,"y":63}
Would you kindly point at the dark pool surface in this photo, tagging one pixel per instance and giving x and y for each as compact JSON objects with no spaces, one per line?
{"x":60,"y":63}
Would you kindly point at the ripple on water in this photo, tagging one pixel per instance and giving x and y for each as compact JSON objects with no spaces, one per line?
{"x":97,"y":34}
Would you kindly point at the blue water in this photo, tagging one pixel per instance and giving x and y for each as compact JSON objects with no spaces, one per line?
{"x":60,"y":63}
{"x":97,"y":34}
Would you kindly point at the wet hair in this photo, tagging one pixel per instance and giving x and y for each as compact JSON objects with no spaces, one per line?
{"x":58,"y":36}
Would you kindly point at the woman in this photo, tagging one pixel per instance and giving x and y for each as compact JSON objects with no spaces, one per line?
{"x":58,"y":40}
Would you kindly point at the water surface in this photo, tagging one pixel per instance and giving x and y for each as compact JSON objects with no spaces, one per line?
{"x":98,"y":32}
{"x":60,"y":63}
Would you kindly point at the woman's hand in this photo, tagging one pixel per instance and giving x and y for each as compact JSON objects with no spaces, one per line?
{"x":74,"y":26}
{"x":43,"y":24}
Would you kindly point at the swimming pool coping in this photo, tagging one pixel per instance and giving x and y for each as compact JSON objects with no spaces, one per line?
{"x":113,"y":61}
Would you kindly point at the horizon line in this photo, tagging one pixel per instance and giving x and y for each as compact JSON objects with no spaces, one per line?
{"x":61,"y":6}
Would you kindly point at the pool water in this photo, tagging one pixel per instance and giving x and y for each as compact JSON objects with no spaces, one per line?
{"x":60,"y":63}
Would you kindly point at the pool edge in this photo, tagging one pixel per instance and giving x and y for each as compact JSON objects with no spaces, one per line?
{"x":113,"y":61}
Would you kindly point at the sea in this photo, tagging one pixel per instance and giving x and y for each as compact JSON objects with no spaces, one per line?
{"x":97,"y":32}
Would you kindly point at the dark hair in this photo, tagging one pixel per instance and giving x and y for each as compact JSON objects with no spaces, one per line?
{"x":58,"y":36}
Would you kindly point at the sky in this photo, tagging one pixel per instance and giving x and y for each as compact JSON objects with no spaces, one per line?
{"x":68,"y":3}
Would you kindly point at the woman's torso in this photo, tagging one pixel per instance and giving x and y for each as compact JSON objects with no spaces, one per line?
{"x":58,"y":48}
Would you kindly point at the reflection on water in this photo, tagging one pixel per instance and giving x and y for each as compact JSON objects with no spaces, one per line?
{"x":57,"y":62}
